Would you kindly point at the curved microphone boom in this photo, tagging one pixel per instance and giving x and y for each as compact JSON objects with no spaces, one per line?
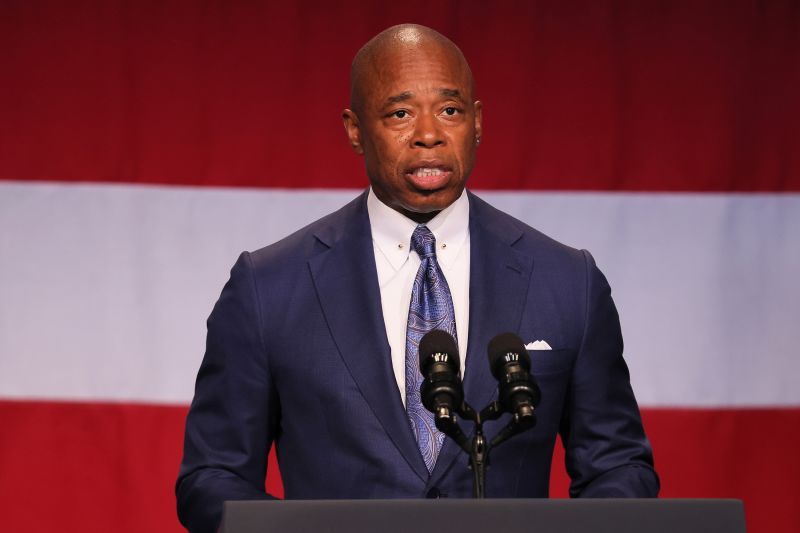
{"x":441,"y":390}
{"x":518,"y":393}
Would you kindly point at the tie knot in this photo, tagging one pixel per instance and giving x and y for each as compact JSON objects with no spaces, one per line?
{"x":423,"y":242}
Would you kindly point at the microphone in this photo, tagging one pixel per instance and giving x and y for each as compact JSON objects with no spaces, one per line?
{"x":510,"y":364}
{"x":441,"y":390}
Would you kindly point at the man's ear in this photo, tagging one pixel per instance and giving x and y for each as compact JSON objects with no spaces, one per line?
{"x":478,"y":121}
{"x":353,"y":130}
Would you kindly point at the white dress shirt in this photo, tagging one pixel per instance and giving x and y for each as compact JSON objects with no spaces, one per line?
{"x":397,"y":266}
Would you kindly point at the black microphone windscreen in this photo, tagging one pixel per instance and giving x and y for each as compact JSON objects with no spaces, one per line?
{"x":501,"y":346}
{"x":439,"y":342}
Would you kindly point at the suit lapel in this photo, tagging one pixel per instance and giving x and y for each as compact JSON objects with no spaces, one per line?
{"x":499,"y":280}
{"x":347,"y":286}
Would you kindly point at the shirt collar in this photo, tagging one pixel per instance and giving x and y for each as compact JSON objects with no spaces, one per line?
{"x":391,"y":230}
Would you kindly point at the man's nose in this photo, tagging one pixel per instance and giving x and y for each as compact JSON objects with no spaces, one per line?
{"x":427,"y":132}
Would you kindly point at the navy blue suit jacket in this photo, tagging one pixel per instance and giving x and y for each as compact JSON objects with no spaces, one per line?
{"x":297,"y":355}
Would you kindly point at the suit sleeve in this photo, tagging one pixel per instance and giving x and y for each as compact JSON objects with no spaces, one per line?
{"x":607,"y":452}
{"x":234,"y":413}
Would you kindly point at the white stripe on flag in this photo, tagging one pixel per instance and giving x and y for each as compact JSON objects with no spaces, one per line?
{"x":105,"y":288}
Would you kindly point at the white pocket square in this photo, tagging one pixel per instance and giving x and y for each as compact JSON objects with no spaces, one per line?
{"x":538,"y":345}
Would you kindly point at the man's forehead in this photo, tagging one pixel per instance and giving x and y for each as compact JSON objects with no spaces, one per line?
{"x":419,"y":66}
{"x":415,"y":90}
{"x":408,"y":54}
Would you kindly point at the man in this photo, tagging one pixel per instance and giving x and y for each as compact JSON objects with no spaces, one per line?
{"x":311,"y":344}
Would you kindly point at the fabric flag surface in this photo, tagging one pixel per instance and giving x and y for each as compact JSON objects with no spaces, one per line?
{"x":144,"y":145}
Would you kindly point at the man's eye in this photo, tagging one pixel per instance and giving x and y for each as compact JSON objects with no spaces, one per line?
{"x":400,"y":113}
{"x":450,"y":111}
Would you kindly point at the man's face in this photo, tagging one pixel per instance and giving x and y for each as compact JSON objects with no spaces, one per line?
{"x":417,"y":128}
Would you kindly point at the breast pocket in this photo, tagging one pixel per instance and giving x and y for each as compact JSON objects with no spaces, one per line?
{"x":545,"y":362}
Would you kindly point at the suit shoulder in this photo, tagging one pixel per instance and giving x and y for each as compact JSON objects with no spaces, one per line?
{"x":524,"y":237}
{"x":298,"y":247}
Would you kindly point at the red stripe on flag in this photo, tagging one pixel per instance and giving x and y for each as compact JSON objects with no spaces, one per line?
{"x":112,"y":467}
{"x":84,"y":467}
{"x":675,"y":96}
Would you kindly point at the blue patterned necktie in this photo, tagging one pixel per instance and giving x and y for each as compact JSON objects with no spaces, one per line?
{"x":431,"y":308}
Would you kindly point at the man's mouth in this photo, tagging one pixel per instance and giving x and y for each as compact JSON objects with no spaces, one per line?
{"x":426,"y":172}
{"x":429,"y":177}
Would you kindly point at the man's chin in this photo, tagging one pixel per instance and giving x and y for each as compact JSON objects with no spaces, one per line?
{"x":427,"y":206}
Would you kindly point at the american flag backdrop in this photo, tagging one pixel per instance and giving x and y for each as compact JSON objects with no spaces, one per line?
{"x":143,"y":145}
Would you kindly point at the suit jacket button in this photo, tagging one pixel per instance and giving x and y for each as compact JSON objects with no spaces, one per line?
{"x":433,"y":493}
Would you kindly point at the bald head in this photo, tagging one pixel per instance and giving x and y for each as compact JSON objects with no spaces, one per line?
{"x":403,"y":39}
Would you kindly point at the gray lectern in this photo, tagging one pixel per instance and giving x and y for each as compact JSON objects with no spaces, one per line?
{"x":481,"y":516}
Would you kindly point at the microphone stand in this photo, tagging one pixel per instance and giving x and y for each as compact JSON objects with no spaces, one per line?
{"x":478,"y":449}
